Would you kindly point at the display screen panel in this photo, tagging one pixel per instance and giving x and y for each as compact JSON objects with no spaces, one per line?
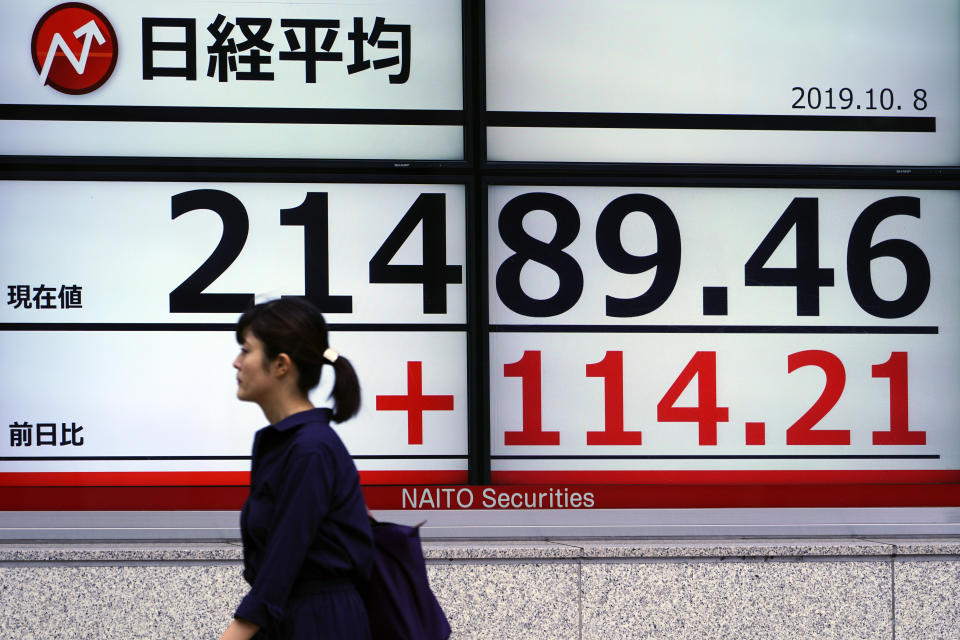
{"x":119,"y":303}
{"x":861,"y":82}
{"x":723,"y":336}
{"x":377,"y":81}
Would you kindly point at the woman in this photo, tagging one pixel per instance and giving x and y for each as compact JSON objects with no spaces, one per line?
{"x":306,"y":536}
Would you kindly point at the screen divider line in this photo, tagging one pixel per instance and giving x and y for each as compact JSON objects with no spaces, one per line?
{"x":710,"y":328}
{"x":216,"y":458}
{"x":724,"y":457}
{"x":727,"y":121}
{"x":215,"y":326}
{"x":228,"y":115}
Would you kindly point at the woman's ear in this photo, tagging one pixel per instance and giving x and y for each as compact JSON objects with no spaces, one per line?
{"x":281,"y":365}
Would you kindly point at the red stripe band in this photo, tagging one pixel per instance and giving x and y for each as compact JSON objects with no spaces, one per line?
{"x":433,"y":497}
{"x":728,"y":477}
{"x":203,"y":478}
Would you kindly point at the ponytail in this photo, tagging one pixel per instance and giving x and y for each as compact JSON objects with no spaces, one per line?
{"x":346,"y":390}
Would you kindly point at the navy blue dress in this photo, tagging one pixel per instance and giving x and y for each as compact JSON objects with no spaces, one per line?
{"x":306,"y":535}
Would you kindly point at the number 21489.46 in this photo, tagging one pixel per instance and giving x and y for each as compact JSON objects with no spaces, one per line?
{"x":707,"y":414}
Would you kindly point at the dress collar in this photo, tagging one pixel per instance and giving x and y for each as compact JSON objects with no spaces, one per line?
{"x":319,"y":414}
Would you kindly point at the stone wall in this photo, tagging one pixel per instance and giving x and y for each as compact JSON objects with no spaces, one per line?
{"x":606,"y":589}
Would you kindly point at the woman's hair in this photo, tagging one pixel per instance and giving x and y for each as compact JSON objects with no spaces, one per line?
{"x":295,"y":327}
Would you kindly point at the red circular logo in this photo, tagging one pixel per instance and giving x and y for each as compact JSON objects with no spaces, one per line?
{"x":74,"y":48}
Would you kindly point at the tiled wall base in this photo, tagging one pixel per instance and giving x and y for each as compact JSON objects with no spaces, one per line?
{"x":565,"y":589}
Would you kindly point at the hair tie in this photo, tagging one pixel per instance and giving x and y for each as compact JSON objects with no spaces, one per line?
{"x":330,"y":355}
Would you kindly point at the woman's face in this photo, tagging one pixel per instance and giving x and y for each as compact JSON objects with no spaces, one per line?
{"x":254,"y":382}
